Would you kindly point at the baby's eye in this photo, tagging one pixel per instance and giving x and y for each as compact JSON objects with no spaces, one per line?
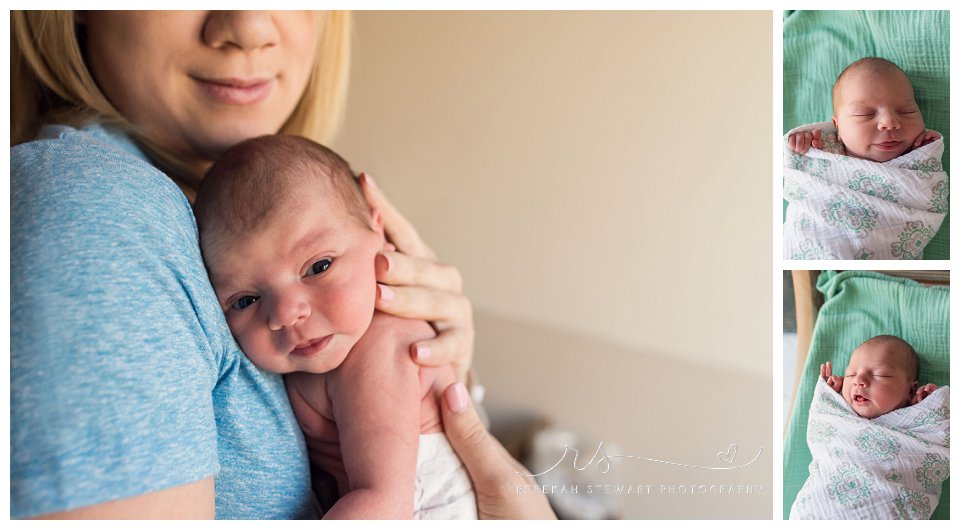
{"x":320,"y":267}
{"x":244,"y":302}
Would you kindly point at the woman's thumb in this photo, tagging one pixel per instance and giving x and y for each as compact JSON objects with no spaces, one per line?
{"x":468,"y":436}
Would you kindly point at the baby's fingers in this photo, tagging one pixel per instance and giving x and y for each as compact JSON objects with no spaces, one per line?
{"x":817,"y":141}
{"x":799,"y":142}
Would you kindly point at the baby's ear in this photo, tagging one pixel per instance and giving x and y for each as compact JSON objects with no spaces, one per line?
{"x":834,"y":122}
{"x":913,"y":387}
{"x":376,"y":220}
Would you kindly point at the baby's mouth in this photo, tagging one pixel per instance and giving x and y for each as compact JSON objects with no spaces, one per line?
{"x":860,"y":400}
{"x":888,"y":145}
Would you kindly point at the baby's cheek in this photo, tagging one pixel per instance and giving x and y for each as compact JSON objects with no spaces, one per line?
{"x":352,"y":307}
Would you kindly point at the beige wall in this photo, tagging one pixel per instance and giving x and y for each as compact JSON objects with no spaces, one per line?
{"x":602,"y":180}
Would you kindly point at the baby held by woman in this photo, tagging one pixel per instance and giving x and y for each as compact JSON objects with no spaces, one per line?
{"x":869,"y":184}
{"x":880,"y":442}
{"x":290,"y":245}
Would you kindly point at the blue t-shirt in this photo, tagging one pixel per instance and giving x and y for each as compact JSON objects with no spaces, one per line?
{"x":125,"y":378}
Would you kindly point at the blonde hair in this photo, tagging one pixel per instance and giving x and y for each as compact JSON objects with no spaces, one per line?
{"x":50,"y":82}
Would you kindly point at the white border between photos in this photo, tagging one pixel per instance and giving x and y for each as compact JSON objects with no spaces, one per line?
{"x":778,"y":265}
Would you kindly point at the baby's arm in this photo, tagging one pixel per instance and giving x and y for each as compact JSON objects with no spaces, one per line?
{"x":800,"y":141}
{"x":922,"y":392}
{"x":835,"y":381}
{"x":376,"y":403}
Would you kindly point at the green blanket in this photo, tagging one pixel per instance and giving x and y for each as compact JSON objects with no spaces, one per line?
{"x":817,"y":45}
{"x":859,"y":305}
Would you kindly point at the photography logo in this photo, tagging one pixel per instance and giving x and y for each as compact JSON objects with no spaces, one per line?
{"x":602,"y":463}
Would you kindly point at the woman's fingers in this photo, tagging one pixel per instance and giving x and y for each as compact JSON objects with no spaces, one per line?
{"x":399,"y":231}
{"x":504,"y":488}
{"x":451,"y":315}
{"x":451,"y":346}
{"x":425,"y":303}
{"x":394,"y":268}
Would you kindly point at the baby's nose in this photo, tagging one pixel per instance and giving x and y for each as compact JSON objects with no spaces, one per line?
{"x":287,"y":312}
{"x":888,"y":121}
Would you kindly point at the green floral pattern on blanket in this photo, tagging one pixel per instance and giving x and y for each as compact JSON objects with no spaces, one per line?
{"x":815,"y":167}
{"x":877,"y":443}
{"x":821,"y":431}
{"x":924,"y":167}
{"x":912,"y":240}
{"x":829,"y":404}
{"x":832,"y":143}
{"x":874,"y":185}
{"x":849,"y":214}
{"x":850,"y":484}
{"x":811,"y":249}
{"x":933,"y":471}
{"x":941,"y":192}
{"x":793,"y":192}
{"x":864,"y":253}
{"x":911,"y":505}
{"x":933,"y":417}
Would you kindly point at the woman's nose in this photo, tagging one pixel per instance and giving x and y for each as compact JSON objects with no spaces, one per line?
{"x":246,"y":30}
{"x":289,"y":310}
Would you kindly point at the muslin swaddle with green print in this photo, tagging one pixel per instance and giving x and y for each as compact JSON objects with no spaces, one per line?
{"x":889,"y":467}
{"x":842,"y":207}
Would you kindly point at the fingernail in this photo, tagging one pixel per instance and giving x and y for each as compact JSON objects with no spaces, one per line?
{"x":422,"y":352}
{"x":386,"y":293}
{"x":369,"y":179}
{"x":386,"y":261}
{"x":457,"y":397}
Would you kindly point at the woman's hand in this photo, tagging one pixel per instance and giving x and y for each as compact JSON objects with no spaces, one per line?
{"x":503,"y":486}
{"x":414,"y":285}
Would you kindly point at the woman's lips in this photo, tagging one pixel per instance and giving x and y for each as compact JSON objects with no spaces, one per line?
{"x":311,"y":348}
{"x":237,"y":91}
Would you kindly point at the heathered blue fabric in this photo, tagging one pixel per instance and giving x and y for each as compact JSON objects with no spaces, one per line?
{"x":124,"y":376}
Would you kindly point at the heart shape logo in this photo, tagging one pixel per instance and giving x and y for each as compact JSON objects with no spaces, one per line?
{"x":728,"y":455}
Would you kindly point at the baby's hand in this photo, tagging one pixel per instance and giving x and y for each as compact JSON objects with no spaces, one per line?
{"x":926,"y":137}
{"x":800,"y":142}
{"x":835,"y":381}
{"x":922,"y":392}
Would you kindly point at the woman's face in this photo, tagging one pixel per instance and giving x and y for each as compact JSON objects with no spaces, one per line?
{"x":199,"y":82}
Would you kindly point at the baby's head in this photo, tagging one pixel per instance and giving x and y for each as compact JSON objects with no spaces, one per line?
{"x":881,"y":376}
{"x":875,"y":111}
{"x":290,"y":244}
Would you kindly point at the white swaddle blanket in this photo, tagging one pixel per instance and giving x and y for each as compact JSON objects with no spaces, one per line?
{"x":843,"y":207}
{"x":890,"y":467}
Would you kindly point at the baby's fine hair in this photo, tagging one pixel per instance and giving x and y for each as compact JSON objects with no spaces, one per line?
{"x":252,"y":179}
{"x":872,"y":64}
{"x":913,"y":360}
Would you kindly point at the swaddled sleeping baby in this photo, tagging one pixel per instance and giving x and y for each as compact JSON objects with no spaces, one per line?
{"x":870,"y":184}
{"x":880,"y":442}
